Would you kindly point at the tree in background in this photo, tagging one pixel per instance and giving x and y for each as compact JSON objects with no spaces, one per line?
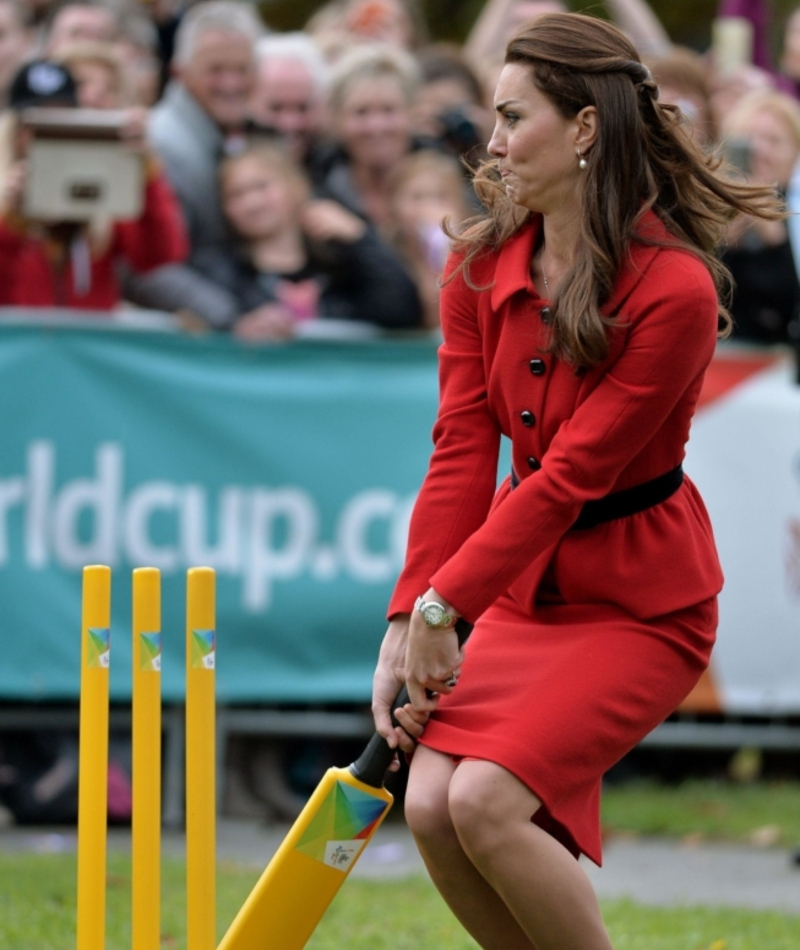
{"x":686,"y":23}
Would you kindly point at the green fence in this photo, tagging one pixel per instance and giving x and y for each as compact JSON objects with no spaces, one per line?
{"x":290,"y":469}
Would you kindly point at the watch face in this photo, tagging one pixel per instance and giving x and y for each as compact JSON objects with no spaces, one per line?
{"x":433,"y":614}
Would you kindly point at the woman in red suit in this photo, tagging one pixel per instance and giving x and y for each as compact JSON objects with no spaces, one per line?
{"x":579,"y":316}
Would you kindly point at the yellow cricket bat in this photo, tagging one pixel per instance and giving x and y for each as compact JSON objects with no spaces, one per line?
{"x":321,"y":849}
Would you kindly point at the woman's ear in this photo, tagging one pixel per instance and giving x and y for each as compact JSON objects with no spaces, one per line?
{"x":586,"y":128}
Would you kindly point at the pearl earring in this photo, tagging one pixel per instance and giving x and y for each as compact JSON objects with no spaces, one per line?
{"x":582,"y":163}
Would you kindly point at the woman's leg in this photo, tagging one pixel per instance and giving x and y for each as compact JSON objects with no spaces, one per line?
{"x":539,"y":881}
{"x":477,"y":906}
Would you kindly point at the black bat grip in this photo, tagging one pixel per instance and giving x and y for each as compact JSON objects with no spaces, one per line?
{"x":370,"y":767}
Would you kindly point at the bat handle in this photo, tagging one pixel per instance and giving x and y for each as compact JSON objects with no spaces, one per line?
{"x":370,"y":767}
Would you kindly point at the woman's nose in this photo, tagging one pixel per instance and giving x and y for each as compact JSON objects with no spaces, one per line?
{"x":496,"y":147}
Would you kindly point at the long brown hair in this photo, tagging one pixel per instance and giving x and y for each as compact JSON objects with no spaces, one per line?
{"x":642,"y":158}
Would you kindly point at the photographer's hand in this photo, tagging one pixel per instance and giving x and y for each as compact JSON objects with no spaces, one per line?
{"x":14,"y":186}
{"x":134,"y":133}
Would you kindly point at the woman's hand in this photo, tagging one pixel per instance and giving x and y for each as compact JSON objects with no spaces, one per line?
{"x":770,"y":233}
{"x":433,"y":659}
{"x":269,"y":322}
{"x":134,"y":132}
{"x":386,"y":684}
{"x":326,"y":220}
{"x":14,"y":186}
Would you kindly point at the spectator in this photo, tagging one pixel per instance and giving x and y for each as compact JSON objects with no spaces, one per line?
{"x":139,"y":48}
{"x":766,"y":295}
{"x":99,"y":75}
{"x":134,"y":34}
{"x":166,"y":17}
{"x":202,"y":116}
{"x":497,"y":23}
{"x":15,"y":42}
{"x":71,"y":264}
{"x":682,"y":79}
{"x":301,"y":259}
{"x":373,"y":92}
{"x":500,"y":19}
{"x":728,"y":89}
{"x":450,"y":104}
{"x":291,"y":93}
{"x":75,"y":22}
{"x":426,"y":190}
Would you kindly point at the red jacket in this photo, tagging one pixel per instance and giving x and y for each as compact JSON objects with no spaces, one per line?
{"x":32,"y":278}
{"x":616,"y":426}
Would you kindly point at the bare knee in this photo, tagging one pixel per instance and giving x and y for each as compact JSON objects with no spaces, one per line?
{"x":486,"y":804}
{"x":426,"y":807}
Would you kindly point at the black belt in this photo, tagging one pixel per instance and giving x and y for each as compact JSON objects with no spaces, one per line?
{"x":629,"y":501}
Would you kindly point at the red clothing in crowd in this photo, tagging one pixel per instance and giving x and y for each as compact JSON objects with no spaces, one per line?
{"x":32,"y":275}
{"x":585,"y":640}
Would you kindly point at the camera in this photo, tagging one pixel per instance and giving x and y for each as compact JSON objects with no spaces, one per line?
{"x":79,"y":167}
{"x":459,"y":132}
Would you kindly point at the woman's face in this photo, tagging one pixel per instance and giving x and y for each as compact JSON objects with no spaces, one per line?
{"x":257,"y":201}
{"x":773,"y":148}
{"x":374,"y":122}
{"x":533,"y":144}
{"x":425,"y":198}
{"x":97,"y":85}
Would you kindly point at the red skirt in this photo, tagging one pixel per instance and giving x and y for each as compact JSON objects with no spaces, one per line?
{"x":558,"y":697}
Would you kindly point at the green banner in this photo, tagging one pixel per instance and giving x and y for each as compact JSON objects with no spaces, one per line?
{"x":289,"y":469}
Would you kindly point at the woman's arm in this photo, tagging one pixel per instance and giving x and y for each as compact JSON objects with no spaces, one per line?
{"x":462,"y":475}
{"x":637,"y":19}
{"x":367,"y":280}
{"x":487,"y":37}
{"x":158,"y":236}
{"x":376,"y":287}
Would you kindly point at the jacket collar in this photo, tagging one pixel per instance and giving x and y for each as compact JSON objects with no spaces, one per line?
{"x":194,"y":117}
{"x":513,"y":271}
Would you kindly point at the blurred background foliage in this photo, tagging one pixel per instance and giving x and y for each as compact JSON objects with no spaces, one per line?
{"x":686,"y":22}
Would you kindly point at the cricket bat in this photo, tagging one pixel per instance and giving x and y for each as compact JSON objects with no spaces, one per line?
{"x":322,"y":847}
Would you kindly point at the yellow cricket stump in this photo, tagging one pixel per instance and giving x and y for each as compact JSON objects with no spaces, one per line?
{"x":200,"y":760}
{"x":93,"y":758}
{"x":146,"y":818}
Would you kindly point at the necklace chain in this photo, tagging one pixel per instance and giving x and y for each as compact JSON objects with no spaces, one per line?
{"x":544,"y":276}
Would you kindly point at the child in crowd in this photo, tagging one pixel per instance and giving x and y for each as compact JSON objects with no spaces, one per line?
{"x":427,"y":190}
{"x":300,"y":259}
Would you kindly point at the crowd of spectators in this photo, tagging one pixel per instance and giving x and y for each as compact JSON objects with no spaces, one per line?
{"x":295,"y":176}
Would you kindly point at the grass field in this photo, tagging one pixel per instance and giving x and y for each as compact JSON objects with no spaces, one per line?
{"x":37,"y":899}
{"x":762,"y":812}
{"x":37,"y":892}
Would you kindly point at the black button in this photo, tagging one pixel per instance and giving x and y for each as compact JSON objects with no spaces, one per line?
{"x":537,"y":367}
{"x":528,"y":418}
{"x":534,"y":464}
{"x":546,"y":314}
